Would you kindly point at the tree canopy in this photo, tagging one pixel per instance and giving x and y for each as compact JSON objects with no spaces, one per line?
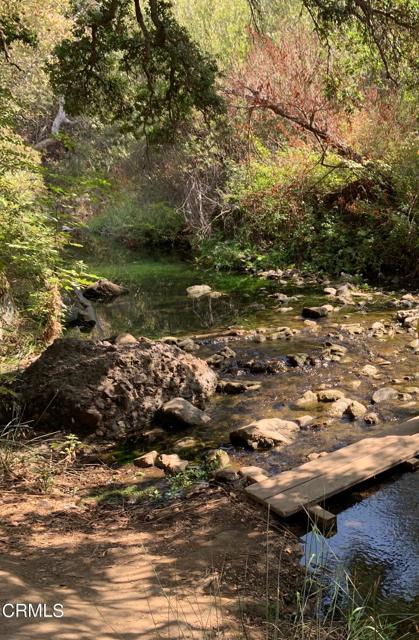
{"x":130,"y":60}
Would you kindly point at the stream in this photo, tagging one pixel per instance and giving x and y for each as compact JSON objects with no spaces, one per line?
{"x":377,"y":538}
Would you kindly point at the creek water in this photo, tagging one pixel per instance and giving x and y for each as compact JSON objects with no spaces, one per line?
{"x":377,"y":538}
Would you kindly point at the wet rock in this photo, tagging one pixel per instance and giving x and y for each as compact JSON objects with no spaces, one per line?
{"x":265,"y":434}
{"x":378,"y":329}
{"x":104,"y":290}
{"x":281,"y":333}
{"x":146,"y":460}
{"x":356,"y":410}
{"x":371,"y":418}
{"x":218,"y":458}
{"x":84,"y":386}
{"x":354,"y":384}
{"x":304,"y":421}
{"x":171,"y":463}
{"x":312,"y":325}
{"x":125,"y":338}
{"x":408,"y":318}
{"x":237,"y":386}
{"x":369,"y":370}
{"x":221,"y":357}
{"x":271,"y":366}
{"x":181,"y":411}
{"x":330,"y":395}
{"x":414,"y":390}
{"x":315,"y":312}
{"x":307,"y":400}
{"x":414,"y":345}
{"x":352,"y":329}
{"x":198,"y":290}
{"x":299,"y":359}
{"x":319,"y":423}
{"x":385,"y":394}
{"x":338,"y":408}
{"x":79,"y":312}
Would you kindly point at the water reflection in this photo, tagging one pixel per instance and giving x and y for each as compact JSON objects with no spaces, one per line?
{"x":377,"y":541}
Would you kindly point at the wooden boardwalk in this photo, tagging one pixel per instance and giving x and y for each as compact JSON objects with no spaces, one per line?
{"x":313,"y":482}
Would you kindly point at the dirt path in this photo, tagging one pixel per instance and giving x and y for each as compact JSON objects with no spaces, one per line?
{"x":196,"y":570}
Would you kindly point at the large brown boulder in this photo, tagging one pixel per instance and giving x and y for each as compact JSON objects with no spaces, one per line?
{"x":112,"y":390}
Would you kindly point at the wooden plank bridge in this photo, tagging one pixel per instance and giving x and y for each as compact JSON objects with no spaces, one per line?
{"x":313,"y":482}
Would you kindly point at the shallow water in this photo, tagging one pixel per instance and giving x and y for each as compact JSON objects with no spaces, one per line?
{"x":377,"y":539}
{"x":376,"y":543}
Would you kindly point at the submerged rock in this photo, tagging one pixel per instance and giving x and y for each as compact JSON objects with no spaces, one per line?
{"x":385,"y":394}
{"x":307,"y":400}
{"x":265,"y":434}
{"x":316,"y":312}
{"x":114,"y":390}
{"x":237,"y":386}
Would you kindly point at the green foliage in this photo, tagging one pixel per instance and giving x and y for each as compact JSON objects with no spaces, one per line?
{"x":291,"y":208}
{"x":138,"y":66}
{"x":132,"y":493}
{"x":136,"y":224}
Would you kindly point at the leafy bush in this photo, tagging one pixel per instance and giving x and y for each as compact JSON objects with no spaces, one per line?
{"x":138,"y":224}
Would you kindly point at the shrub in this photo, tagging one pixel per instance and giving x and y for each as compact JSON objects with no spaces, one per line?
{"x":127,"y":219}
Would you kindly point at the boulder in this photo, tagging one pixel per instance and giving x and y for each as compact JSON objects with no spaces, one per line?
{"x":330,"y":395}
{"x":264,"y":434}
{"x":338,"y":408}
{"x":198,"y":290}
{"x":146,"y":460}
{"x":182,"y":411}
{"x":385,"y":394}
{"x":87,"y":386}
{"x":356,"y":410}
{"x":104,"y":290}
{"x":171,"y":463}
